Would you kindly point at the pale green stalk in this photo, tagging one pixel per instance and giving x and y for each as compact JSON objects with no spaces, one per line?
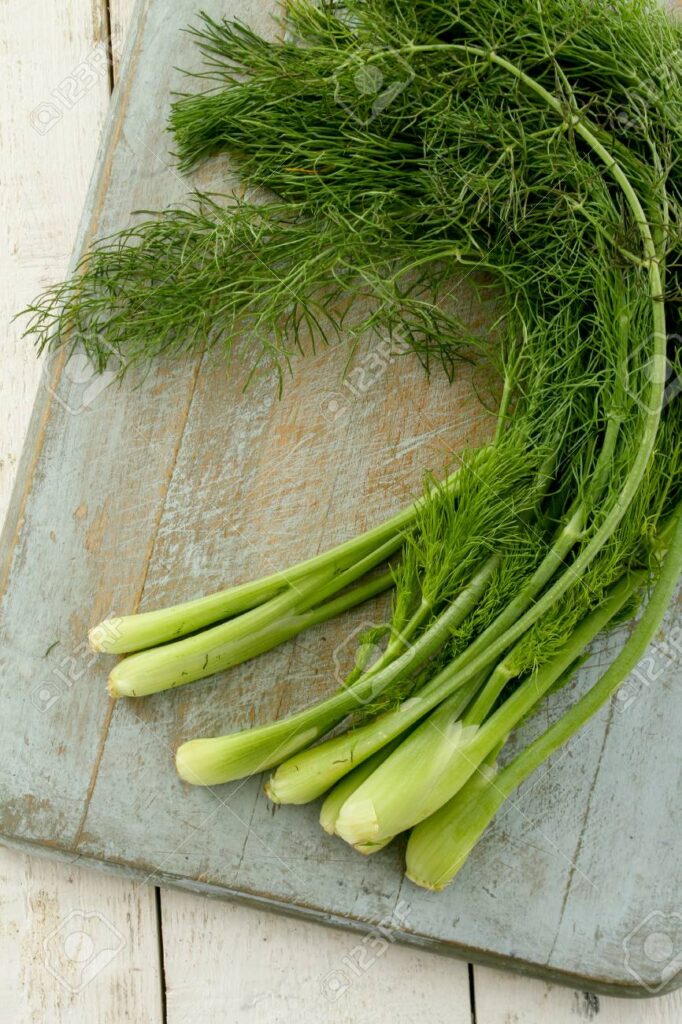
{"x":290,"y":625}
{"x":431,"y":765}
{"x":439,"y":846}
{"x":224,"y":646}
{"x":128,"y":633}
{"x":312,"y":772}
{"x":337,"y":796}
{"x":213,"y":760}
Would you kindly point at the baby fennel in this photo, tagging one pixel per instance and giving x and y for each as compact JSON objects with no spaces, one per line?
{"x":503,"y":150}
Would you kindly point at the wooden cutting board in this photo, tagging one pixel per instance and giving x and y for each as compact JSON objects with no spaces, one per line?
{"x":165,"y":488}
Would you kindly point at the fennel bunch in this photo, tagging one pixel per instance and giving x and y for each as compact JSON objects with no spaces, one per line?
{"x":391,"y":146}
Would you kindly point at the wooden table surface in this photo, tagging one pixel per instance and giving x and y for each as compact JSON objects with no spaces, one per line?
{"x":78,"y":945}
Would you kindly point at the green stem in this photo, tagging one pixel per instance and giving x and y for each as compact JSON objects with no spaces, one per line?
{"x":496,"y":683}
{"x":343,"y":603}
{"x":128,"y":633}
{"x":447,"y":750}
{"x":289,"y":626}
{"x":212,"y":760}
{"x":310,"y":774}
{"x":440,"y":845}
{"x":503,"y":409}
{"x":400,"y":642}
{"x":224,"y":646}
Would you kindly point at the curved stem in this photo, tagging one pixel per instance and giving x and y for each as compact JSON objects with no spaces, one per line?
{"x":440,"y":845}
{"x":209,"y":761}
{"x":448,"y":750}
{"x":658,"y":365}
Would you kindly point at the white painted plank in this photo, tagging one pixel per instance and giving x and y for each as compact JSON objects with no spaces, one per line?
{"x":74,"y":945}
{"x":230,"y":963}
{"x":510,"y":999}
{"x":54,"y":94}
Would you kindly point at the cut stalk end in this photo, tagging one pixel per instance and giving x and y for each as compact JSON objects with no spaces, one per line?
{"x":117,"y":683}
{"x":357,"y":822}
{"x":271,"y":791}
{"x":191,"y":763}
{"x":102,"y":637}
{"x":423,"y":883}
{"x":366,"y":849}
{"x":113,"y":688}
{"x":328,"y":815}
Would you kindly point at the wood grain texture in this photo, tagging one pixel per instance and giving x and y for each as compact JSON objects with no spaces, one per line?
{"x":263,"y":969}
{"x":512,"y":999}
{"x":120,"y":15}
{"x":371,"y":460}
{"x":76,"y":946}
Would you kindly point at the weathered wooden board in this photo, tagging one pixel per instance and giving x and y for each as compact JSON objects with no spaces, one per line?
{"x":129,"y":497}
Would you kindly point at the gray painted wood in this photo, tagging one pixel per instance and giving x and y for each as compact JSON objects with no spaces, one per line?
{"x":136,"y":496}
